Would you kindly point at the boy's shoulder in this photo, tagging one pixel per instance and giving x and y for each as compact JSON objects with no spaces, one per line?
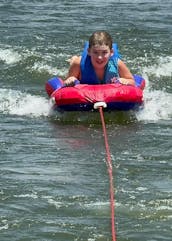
{"x":75,"y":60}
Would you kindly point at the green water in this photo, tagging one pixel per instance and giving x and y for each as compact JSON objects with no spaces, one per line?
{"x":54,"y":179}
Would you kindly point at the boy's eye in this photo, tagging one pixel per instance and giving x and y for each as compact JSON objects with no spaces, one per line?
{"x":95,"y":52}
{"x":100,"y":53}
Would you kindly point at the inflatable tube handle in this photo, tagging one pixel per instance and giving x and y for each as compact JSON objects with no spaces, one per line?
{"x":76,"y":82}
{"x":56,"y":83}
{"x":53,"y":84}
{"x":97,"y":105}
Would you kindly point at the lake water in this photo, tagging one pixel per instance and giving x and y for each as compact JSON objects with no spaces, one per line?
{"x":54,"y":179}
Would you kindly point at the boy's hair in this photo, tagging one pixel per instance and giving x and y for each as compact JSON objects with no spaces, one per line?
{"x":100,"y":38}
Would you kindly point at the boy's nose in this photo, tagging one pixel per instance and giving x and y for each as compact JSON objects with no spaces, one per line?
{"x":99,"y":56}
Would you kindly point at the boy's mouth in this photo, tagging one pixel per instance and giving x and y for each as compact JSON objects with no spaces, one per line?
{"x":99,"y":62}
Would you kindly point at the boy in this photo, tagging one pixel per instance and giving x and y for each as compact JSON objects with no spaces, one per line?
{"x":99,"y":64}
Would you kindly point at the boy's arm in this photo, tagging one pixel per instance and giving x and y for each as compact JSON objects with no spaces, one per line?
{"x":74,"y":71}
{"x":124,"y":73}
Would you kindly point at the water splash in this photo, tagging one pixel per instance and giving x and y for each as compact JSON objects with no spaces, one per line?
{"x":157,"y":102}
{"x":162,"y":68}
{"x":9,"y":56}
{"x":41,"y":63}
{"x":17,"y":103}
{"x":41,"y":67}
{"x":157,"y":106}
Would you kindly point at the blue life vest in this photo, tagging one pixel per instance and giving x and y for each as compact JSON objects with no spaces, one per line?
{"x":88,"y":75}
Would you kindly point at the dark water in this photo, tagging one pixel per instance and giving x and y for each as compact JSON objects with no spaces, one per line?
{"x":54,"y":180}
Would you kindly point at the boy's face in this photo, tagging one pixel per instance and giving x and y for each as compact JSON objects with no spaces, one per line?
{"x":100,"y":55}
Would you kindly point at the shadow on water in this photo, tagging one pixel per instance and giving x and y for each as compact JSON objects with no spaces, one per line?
{"x":93,"y":118}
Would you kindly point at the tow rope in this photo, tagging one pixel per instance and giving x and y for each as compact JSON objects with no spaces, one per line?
{"x":100,"y":106}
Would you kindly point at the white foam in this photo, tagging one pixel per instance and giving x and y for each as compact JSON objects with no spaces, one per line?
{"x":9,"y":56}
{"x":157,"y":103}
{"x":57,"y":204}
{"x":162,"y":68}
{"x":6,"y":226}
{"x":97,"y":204}
{"x":32,"y":195}
{"x":157,"y":106}
{"x":18,"y":103}
{"x":44,"y":67}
